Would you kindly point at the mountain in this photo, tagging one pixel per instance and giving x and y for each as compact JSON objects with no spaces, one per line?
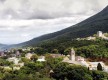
{"x":88,"y":27}
{"x":2,"y":45}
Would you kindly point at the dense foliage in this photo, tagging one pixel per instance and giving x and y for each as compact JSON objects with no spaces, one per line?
{"x":63,"y":71}
{"x":89,"y":49}
{"x":60,"y":71}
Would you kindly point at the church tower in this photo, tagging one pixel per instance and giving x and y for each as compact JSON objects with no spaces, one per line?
{"x":99,"y":34}
{"x":72,"y":55}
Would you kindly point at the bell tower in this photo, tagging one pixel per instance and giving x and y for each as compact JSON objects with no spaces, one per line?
{"x":72,"y":55}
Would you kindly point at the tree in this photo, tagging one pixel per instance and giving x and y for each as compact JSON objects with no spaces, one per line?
{"x":67,"y":51}
{"x":34,"y":57}
{"x":55,"y":51}
{"x":99,"y":67}
{"x":99,"y":75}
{"x":60,"y":71}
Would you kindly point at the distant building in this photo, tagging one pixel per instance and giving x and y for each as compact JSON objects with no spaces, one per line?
{"x":72,"y":59}
{"x":99,"y":34}
{"x":14,"y":60}
{"x":93,"y":65}
{"x":18,"y":54}
{"x":56,"y":55}
{"x":17,"y":64}
{"x":2,"y":54}
{"x":41,"y":59}
{"x":28,"y":55}
{"x":79,"y":58}
{"x":91,"y":38}
{"x":72,"y":55}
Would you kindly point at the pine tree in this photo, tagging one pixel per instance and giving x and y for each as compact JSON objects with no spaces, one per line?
{"x":99,"y":67}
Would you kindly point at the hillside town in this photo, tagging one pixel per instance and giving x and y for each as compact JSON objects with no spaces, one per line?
{"x":71,"y":58}
{"x":90,"y":55}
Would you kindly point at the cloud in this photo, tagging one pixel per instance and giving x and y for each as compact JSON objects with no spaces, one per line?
{"x":22,"y":20}
{"x":45,"y":9}
{"x":16,"y":31}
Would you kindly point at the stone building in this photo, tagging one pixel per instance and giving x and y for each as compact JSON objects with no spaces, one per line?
{"x":99,"y":34}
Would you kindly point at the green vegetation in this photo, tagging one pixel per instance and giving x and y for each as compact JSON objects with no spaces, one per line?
{"x":64,"y":71}
{"x":60,"y":71}
{"x":4,"y":62}
{"x":97,"y":49}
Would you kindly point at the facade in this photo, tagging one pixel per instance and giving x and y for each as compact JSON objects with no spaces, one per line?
{"x":91,"y":38}
{"x":56,"y":55}
{"x":99,"y":34}
{"x":2,"y":54}
{"x":93,"y":65}
{"x":17,"y":64}
{"x":72,"y":55}
{"x":79,"y":58}
{"x":14,"y":60}
{"x":41,"y":59}
{"x":28,"y":55}
{"x":18,"y":54}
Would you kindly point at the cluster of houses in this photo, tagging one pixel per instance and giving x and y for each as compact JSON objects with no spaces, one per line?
{"x":16,"y":59}
{"x":99,"y":34}
{"x":71,"y":59}
{"x":78,"y":60}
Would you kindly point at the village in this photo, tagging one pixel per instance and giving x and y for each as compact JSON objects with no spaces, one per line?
{"x":71,"y":58}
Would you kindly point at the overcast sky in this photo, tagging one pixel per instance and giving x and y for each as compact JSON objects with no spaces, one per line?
{"x":22,"y":20}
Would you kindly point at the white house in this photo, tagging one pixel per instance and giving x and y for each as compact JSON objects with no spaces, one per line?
{"x":79,"y":58}
{"x":14,"y":60}
{"x":91,"y":38}
{"x":41,"y":59}
{"x":99,"y":34}
{"x":93,"y":65}
{"x":28,"y":55}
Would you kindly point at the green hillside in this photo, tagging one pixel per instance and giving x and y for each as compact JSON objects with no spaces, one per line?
{"x":2,"y":45}
{"x":90,"y":26}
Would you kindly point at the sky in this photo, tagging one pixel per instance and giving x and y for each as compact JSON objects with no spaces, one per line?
{"x":22,"y":20}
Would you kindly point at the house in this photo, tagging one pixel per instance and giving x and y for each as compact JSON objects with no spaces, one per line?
{"x":79,"y":58}
{"x":18,"y":54}
{"x":41,"y":59}
{"x":56,"y":55}
{"x":28,"y":55}
{"x":93,"y":65}
{"x":17,"y":64}
{"x":106,"y":68}
{"x":2,"y":54}
{"x":91,"y":38}
{"x":14,"y":60}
